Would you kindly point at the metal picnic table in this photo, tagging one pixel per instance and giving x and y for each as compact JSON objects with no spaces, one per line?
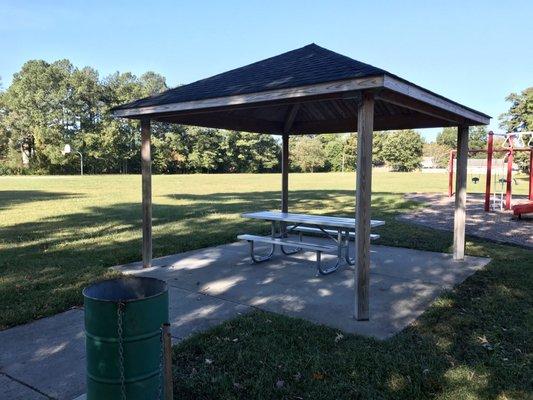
{"x":338,"y":229}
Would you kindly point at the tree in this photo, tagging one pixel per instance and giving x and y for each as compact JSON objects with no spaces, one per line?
{"x":206,"y":154}
{"x":438,"y":152}
{"x":350,"y":152}
{"x":38,"y":106}
{"x":520,"y":114}
{"x":334,"y":151}
{"x":477,"y":139}
{"x":448,"y":137}
{"x":249,"y":152}
{"x":519,"y":118}
{"x":377,"y":148}
{"x":402,"y":150}
{"x":307,"y":153}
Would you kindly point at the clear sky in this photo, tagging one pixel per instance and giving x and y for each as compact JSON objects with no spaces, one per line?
{"x":474,"y":52}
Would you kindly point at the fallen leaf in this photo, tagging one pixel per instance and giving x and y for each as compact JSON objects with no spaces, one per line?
{"x":280,"y":383}
{"x":208,"y":361}
{"x":318,"y":376}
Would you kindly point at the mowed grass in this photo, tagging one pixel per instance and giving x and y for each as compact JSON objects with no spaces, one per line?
{"x":60,"y":233}
{"x":57,"y":234}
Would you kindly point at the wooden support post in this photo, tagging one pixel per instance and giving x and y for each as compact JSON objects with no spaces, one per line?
{"x":284,"y":180}
{"x":167,"y":362}
{"x":365,"y":126}
{"x":285,"y":173}
{"x":460,"y":194}
{"x":289,"y":121}
{"x":146,"y":168}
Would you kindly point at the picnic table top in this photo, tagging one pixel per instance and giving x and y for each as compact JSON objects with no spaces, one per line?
{"x":308,"y":219}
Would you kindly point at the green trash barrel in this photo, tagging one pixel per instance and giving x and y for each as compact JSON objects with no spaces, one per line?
{"x":123,"y":319}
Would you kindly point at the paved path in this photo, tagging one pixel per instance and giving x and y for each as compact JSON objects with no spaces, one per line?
{"x":498,"y":226}
{"x":46,"y":359}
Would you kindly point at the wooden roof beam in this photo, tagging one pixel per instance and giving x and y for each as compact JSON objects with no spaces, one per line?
{"x":291,"y":116}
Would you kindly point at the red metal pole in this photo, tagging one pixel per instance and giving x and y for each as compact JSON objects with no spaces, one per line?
{"x":490,"y":148}
{"x":530,"y":174}
{"x":509,"y":179}
{"x":450,"y":174}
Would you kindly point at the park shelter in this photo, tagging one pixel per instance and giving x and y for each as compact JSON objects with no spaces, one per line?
{"x":310,"y":90}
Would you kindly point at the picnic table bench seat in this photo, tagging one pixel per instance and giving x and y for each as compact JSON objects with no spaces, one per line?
{"x":317,"y":248}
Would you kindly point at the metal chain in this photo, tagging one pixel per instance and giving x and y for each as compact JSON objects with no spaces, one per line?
{"x":120,"y":307}
{"x":160,"y":389}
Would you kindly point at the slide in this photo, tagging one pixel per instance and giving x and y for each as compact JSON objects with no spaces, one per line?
{"x":525,"y":208}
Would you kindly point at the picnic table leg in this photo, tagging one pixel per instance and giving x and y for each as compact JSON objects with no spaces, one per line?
{"x":350,"y":261}
{"x":259,"y":258}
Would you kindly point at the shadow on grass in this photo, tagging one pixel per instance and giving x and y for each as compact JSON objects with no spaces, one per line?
{"x":10,"y":198}
{"x":53,"y":258}
{"x":472,"y":341}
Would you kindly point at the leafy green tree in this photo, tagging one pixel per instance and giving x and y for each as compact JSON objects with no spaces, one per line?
{"x":519,"y":118}
{"x":448,"y":137}
{"x":334,"y":151}
{"x":439,"y":153}
{"x":350,"y":152}
{"x":250,"y":152}
{"x":206,"y":154}
{"x":402,"y":150}
{"x":477,"y":137}
{"x":307,"y":153}
{"x":38,"y":107}
{"x":377,"y":148}
{"x":520,"y":114}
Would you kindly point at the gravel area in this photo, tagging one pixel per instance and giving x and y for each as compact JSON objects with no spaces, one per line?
{"x":496,"y":225}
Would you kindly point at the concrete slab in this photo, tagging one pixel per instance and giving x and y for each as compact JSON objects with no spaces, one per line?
{"x":192,"y":312}
{"x":46,"y":358}
{"x":12,"y":390}
{"x":48,"y":354}
{"x":404,"y":282}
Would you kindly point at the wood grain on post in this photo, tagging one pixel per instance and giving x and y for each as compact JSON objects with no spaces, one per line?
{"x":285,"y":173}
{"x":365,"y":126}
{"x":146,"y":169}
{"x":460,"y":194}
{"x":167,"y":363}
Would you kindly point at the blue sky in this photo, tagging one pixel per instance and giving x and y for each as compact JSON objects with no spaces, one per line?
{"x":474,"y":52}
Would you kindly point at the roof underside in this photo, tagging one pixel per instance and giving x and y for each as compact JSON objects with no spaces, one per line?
{"x":305,"y":91}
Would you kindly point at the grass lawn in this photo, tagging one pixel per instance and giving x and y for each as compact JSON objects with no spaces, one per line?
{"x":60,"y":233}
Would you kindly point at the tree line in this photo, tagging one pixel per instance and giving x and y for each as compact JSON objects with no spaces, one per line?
{"x":48,"y":105}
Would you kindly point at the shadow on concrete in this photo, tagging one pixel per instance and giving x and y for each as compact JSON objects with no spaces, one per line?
{"x":56,"y":250}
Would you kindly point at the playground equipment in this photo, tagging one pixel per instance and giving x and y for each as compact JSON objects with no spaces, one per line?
{"x":513,"y":142}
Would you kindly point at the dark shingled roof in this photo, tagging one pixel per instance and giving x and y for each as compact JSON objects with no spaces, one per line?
{"x":308,"y":65}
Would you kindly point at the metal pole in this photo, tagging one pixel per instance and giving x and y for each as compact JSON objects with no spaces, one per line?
{"x":450,"y":174}
{"x":509,"y":178}
{"x":490,"y":149}
{"x":81,"y":162}
{"x":531,"y":174}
